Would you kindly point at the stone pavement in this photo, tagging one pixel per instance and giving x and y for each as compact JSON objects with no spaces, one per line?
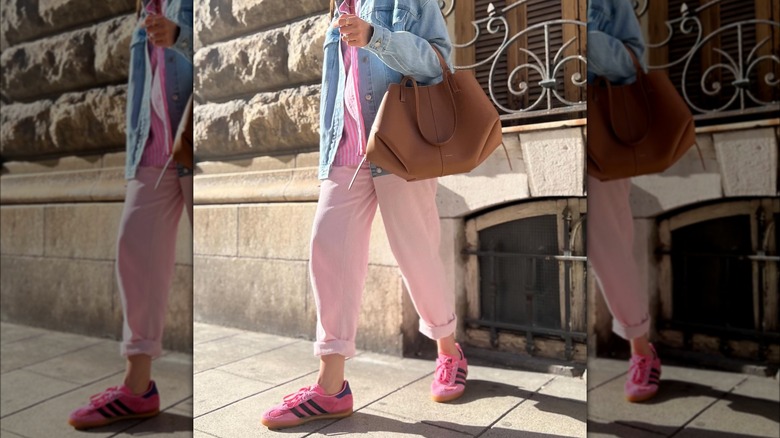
{"x":238,"y":374}
{"x":47,"y":374}
{"x":692,"y":403}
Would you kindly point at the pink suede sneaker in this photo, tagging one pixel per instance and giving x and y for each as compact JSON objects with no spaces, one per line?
{"x":449,"y":380}
{"x":310,"y":403}
{"x":644,"y":375}
{"x":115,"y":404}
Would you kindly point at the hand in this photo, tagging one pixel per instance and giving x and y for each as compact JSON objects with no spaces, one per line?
{"x":160,"y":30}
{"x":354,"y":31}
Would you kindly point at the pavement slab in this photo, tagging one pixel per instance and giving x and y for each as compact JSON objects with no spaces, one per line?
{"x":32,"y":350}
{"x":41,"y":388}
{"x":223,"y":351}
{"x":691,"y":403}
{"x":392,"y":395}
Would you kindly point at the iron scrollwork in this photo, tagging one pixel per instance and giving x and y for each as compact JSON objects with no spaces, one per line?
{"x":542,"y":96}
{"x":713,"y":96}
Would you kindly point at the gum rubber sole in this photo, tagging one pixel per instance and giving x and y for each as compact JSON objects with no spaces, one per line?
{"x":447,"y":398}
{"x":107,"y":421}
{"x":284,"y":425}
{"x":638,"y":399}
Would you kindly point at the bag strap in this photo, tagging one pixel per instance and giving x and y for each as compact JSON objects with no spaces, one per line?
{"x":449,"y":82}
{"x":640,"y":82}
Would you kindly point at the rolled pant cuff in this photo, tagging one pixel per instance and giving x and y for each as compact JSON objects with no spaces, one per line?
{"x":631,"y":332}
{"x":441,"y":331}
{"x":337,"y":346}
{"x":150,"y":348}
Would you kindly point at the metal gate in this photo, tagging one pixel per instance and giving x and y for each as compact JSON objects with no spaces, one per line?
{"x":721,"y":280}
{"x":528,"y":274}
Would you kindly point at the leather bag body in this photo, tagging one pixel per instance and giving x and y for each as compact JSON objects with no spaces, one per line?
{"x":636,"y":129}
{"x":182,"y":145}
{"x":429,"y":131}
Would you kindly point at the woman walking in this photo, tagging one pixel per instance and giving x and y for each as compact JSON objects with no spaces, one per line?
{"x":159,"y":86}
{"x":613,"y":29}
{"x":369,"y":45}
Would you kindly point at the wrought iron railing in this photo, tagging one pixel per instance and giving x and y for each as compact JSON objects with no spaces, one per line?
{"x":722,"y":71}
{"x":538,"y":86}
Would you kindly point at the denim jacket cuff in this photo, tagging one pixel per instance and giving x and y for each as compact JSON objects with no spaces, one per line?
{"x":379,"y":40}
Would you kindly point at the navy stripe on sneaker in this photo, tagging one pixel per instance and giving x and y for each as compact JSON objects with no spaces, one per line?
{"x":345,"y":392}
{"x":297,"y":414}
{"x":317,"y":407}
{"x":114,"y":410}
{"x":124,"y":408}
{"x":460,"y":382}
{"x":151,"y":392}
{"x":104,"y":413}
{"x":305,"y":409}
{"x":461,"y":370}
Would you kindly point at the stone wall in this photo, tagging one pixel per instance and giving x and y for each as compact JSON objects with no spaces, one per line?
{"x":258,"y":72}
{"x":62,"y":141}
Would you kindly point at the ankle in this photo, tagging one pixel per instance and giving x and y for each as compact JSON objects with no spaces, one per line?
{"x":137,"y":388}
{"x":331,"y":388}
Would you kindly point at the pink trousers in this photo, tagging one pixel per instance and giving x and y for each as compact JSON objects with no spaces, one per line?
{"x":610,"y":252}
{"x":146,"y":249}
{"x":339,"y":253}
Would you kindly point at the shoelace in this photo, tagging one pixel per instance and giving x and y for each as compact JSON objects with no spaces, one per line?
{"x":639,"y":369}
{"x":298,"y":397}
{"x":445,"y":370}
{"x":104,"y":397}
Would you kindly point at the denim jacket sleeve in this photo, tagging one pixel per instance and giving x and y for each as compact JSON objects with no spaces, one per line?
{"x":611,"y":26}
{"x":180,"y":12}
{"x":409,"y":51}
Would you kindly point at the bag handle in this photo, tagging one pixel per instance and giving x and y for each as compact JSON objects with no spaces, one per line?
{"x":640,"y":82}
{"x":450,"y":84}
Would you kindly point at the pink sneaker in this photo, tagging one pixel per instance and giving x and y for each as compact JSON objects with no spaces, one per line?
{"x":449,"y":380}
{"x":115,"y":404}
{"x":644,"y":374}
{"x":310,"y":403}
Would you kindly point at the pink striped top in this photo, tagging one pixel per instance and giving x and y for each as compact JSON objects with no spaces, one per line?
{"x":158,"y":146}
{"x":352,"y":146}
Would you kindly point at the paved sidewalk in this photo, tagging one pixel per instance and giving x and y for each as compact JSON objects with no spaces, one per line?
{"x":691,"y":403}
{"x":47,"y":374}
{"x":238,"y":374}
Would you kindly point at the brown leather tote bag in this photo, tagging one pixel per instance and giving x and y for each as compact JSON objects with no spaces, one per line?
{"x":182,"y":145}
{"x":636,"y":129}
{"x":435,"y":130}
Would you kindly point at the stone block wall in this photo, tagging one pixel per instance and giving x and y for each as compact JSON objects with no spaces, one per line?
{"x":63,"y":92}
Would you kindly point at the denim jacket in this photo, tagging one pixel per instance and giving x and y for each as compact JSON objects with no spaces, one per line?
{"x":612,"y":24}
{"x":399,"y":46}
{"x":178,"y":80}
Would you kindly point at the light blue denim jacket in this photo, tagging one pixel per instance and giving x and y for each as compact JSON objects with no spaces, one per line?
{"x":399,"y":46}
{"x":611,"y":24}
{"x":178,"y":80}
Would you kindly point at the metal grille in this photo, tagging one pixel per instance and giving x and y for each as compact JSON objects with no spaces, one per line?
{"x":529,"y":56}
{"x":724,"y":277}
{"x":527,"y":279}
{"x":712,"y":277}
{"x":518,"y":260}
{"x":722,"y":55}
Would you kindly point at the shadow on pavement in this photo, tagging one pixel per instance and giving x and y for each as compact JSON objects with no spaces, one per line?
{"x":166,"y":422}
{"x":674,"y":389}
{"x":361,"y":422}
{"x":628,"y":429}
